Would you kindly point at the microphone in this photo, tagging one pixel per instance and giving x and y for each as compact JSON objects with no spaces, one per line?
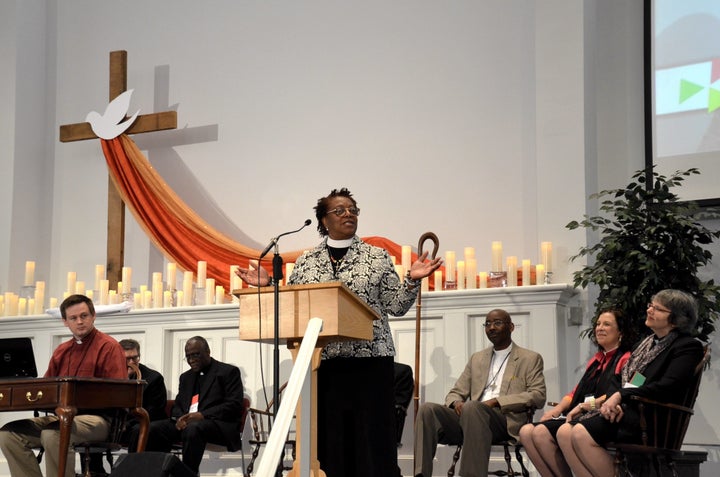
{"x":274,"y":241}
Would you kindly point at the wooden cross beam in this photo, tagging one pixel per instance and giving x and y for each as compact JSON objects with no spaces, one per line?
{"x":143,"y":123}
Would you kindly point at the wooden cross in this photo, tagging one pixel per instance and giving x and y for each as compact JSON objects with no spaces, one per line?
{"x":143,"y":123}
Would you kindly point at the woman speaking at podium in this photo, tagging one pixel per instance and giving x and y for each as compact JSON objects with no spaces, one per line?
{"x":356,"y":412}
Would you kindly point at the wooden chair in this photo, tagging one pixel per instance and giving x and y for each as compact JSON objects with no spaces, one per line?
{"x":530,"y":411}
{"x":177,"y":447}
{"x":112,"y":444}
{"x":261,"y":422}
{"x":662,"y":427}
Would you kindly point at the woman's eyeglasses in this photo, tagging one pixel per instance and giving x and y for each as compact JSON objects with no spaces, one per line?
{"x":340,"y":211}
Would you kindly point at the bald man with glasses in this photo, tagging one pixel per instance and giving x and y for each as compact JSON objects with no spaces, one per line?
{"x":487,"y":403}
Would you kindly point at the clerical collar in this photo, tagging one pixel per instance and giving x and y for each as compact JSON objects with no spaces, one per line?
{"x":88,"y":337}
{"x":345,"y":243}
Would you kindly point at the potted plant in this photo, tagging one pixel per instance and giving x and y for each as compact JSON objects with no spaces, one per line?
{"x":648,"y":240}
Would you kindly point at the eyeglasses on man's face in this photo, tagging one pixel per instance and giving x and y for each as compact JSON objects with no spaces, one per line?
{"x":134,"y":358}
{"x":340,"y":211}
{"x":495,"y":323}
{"x":654,"y":307}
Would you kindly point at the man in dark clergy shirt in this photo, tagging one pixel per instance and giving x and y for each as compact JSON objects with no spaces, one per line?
{"x":89,"y":353}
{"x":208,"y":407}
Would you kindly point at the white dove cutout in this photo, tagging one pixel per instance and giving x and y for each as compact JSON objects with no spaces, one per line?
{"x":108,"y":126}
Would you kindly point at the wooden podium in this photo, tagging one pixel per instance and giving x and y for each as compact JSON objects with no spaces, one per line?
{"x":344,"y":315}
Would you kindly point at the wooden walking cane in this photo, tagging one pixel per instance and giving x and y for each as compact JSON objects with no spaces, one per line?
{"x":418,"y":309}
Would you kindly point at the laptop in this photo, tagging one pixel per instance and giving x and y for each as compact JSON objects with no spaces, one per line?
{"x":17,"y":359}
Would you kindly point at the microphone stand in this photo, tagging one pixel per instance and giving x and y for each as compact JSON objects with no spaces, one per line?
{"x":277,"y":276}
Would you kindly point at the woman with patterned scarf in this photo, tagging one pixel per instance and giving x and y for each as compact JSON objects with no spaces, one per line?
{"x":660,"y":368}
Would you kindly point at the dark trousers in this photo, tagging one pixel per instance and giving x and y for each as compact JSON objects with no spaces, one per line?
{"x":163,"y":434}
{"x":356,"y":417}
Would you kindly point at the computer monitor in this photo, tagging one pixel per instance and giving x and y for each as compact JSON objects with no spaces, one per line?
{"x":17,"y":359}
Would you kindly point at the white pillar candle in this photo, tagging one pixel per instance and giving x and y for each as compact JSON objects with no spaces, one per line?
{"x":22,"y":307}
{"x":201,"y":273}
{"x":209,"y":287}
{"x":71,"y":279}
{"x":80,"y":287}
{"x":469,"y":253}
{"x":180,"y":298}
{"x":406,"y":259}
{"x":104,"y":290}
{"x":219,"y":294}
{"x":539,"y":274}
{"x":167,"y":299}
{"x":233,"y":276}
{"x":526,"y":272}
{"x":138,"y":301}
{"x":425,"y":284}
{"x":29,"y":273}
{"x":126,"y":280}
{"x":393,"y":259}
{"x":460,"y":275}
{"x":113,"y":297}
{"x":483,"y":279}
{"x":497,"y":254}
{"x":470,"y":274}
{"x":171,"y":276}
{"x":289,"y":267}
{"x":157,"y":290}
{"x":512,"y":271}
{"x":90,"y":294}
{"x":53,"y":302}
{"x":147,"y":298}
{"x":31,"y":306}
{"x":39,"y":297}
{"x":400,"y":270}
{"x":438,"y":280}
{"x":546,"y":256}
{"x":450,"y":267}
{"x":187,"y":288}
{"x":99,"y":275}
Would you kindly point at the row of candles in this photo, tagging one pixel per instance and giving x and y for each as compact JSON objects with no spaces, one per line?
{"x":463,"y":274}
{"x":162,"y":293}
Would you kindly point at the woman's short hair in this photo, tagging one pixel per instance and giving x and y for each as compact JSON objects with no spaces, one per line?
{"x":683,"y":307}
{"x":321,"y":209}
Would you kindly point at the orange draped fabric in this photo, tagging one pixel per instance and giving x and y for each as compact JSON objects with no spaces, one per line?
{"x":175,"y":228}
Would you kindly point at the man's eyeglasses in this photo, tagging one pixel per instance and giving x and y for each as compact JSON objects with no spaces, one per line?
{"x":495,"y":323}
{"x":135,"y":358}
{"x":654,"y":307}
{"x":340,"y":211}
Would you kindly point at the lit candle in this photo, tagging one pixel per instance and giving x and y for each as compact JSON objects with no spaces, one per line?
{"x":400,"y":270}
{"x":126,"y":280}
{"x":483,"y":279}
{"x":113,"y":297}
{"x":425,"y":284}
{"x":469,"y":253}
{"x":470,"y":273}
{"x":438,"y":280}
{"x":526,"y":272}
{"x":209,"y":287}
{"x":147,"y":298}
{"x":167,"y":299}
{"x":406,"y":257}
{"x":99,"y":275}
{"x":539,"y":274}
{"x":157,"y":290}
{"x":450,"y":267}
{"x":138,"y":301}
{"x":180,"y":296}
{"x":80,"y":287}
{"x":233,"y":276}
{"x":497,"y":254}
{"x":201,"y":273}
{"x":546,"y":255}
{"x":71,"y":279}
{"x":22,"y":307}
{"x":29,"y":273}
{"x":171,"y":276}
{"x":460,"y":275}
{"x":31,"y":306}
{"x":90,"y":294}
{"x":219,"y":294}
{"x":53,"y":302}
